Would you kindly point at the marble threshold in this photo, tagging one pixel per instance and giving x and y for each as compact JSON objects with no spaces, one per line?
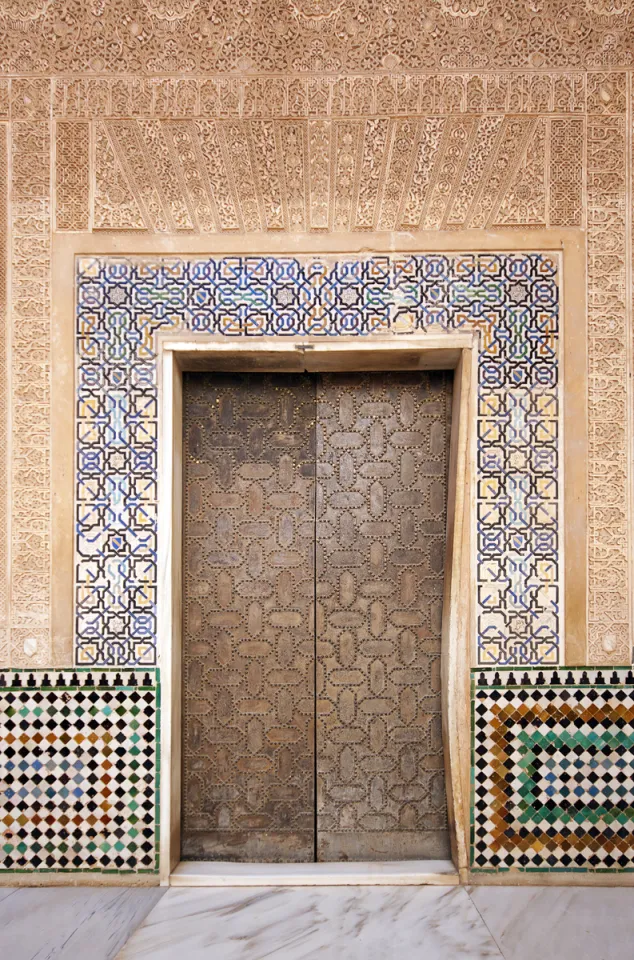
{"x":203,"y":873}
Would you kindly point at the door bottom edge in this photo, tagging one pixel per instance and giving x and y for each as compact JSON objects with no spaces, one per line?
{"x":208,"y":873}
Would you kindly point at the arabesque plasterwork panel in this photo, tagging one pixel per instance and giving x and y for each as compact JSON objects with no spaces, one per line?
{"x":29,"y":541}
{"x":323,"y":126}
{"x":428,"y":172}
{"x":608,"y":315}
{"x":338,"y":36}
{"x":4,"y":500}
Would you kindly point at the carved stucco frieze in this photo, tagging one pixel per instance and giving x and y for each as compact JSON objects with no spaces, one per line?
{"x":293,"y":152}
{"x":363,"y":174}
{"x":72,"y":175}
{"x":278,"y":36}
{"x":4,"y":477}
{"x":29,"y":542}
{"x":565,"y":198}
{"x":609,"y":638}
{"x":525,"y":200}
{"x":332,"y":96}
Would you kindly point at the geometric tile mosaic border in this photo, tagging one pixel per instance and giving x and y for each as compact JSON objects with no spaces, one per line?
{"x":510,"y":300}
{"x":505,"y":678}
{"x":69,"y":678}
{"x":79,"y":771}
{"x":553,"y":771}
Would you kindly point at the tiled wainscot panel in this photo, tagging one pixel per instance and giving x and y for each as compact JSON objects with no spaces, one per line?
{"x":79,"y":772}
{"x":510,"y":300}
{"x":553,"y":770}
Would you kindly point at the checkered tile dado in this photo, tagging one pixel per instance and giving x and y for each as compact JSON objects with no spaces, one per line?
{"x":510,"y":300}
{"x":79,"y":771}
{"x":553,"y":770}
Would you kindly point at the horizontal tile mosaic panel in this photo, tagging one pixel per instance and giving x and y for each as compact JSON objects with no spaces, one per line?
{"x":553,"y":770}
{"x":79,"y":771}
{"x":511,"y":300}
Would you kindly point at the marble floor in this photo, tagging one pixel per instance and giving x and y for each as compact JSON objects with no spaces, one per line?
{"x":60,"y":923}
{"x":343,"y":923}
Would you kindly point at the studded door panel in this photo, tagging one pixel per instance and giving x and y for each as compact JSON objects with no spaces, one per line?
{"x":248,"y":640}
{"x":382,"y":449}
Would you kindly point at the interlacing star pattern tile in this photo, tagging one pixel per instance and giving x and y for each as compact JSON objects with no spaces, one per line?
{"x":553,"y":770}
{"x":510,"y":300}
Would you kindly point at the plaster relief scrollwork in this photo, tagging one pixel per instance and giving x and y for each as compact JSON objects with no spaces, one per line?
{"x":115,"y":206}
{"x":386,"y":174}
{"x":164,"y":37}
{"x":24,"y":10}
{"x":321,"y":95}
{"x":4,"y":491}
{"x":170,"y":9}
{"x":609,"y":637}
{"x":319,"y":147}
{"x":30,"y":381}
{"x":316,"y":9}
{"x":465,"y":8}
{"x":72,"y":186}
{"x":525,"y":201}
{"x":608,"y":8}
{"x":566,"y":172}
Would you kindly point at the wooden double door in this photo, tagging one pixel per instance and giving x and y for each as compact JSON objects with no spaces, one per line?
{"x":314,"y":543}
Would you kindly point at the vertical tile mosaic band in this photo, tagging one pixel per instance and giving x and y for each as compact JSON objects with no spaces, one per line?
{"x":552,"y":770}
{"x":511,"y":300}
{"x":79,"y":771}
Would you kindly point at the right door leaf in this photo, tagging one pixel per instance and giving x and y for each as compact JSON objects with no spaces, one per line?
{"x":382,"y":459}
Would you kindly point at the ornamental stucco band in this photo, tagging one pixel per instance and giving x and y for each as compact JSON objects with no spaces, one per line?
{"x":511,"y":300}
{"x":190,"y":37}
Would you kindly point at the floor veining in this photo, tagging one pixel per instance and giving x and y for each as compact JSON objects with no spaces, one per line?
{"x":298,"y":923}
{"x":70,"y":923}
{"x":302,"y":923}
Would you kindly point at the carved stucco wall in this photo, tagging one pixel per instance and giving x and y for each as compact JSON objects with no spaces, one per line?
{"x":208,"y":36}
{"x":311,"y":115}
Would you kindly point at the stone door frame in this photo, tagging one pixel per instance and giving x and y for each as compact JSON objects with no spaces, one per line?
{"x":179,"y":353}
